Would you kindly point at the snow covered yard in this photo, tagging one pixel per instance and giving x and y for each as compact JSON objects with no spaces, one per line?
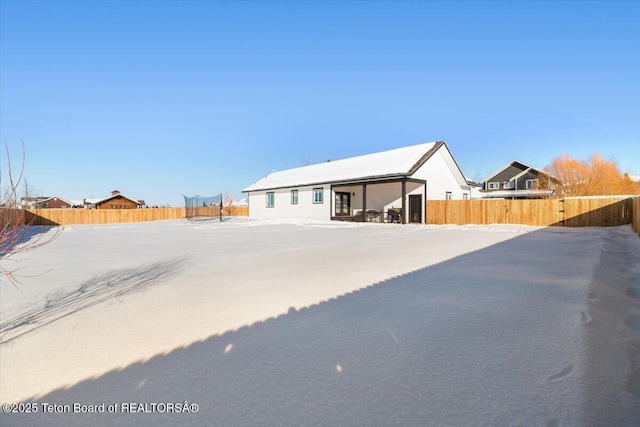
{"x":321,"y":323}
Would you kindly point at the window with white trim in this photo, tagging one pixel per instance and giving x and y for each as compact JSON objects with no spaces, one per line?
{"x":494,"y":186}
{"x":532,"y":184}
{"x":318,"y":195}
{"x":271,"y":199}
{"x":465,"y":196}
{"x":448,"y":195}
{"x":507,"y":185}
{"x":294,"y":197}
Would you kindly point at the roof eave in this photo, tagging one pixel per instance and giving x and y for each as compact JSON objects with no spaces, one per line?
{"x":115,"y":196}
{"x":504,"y":168}
{"x":425,"y":157}
{"x":350,"y":181}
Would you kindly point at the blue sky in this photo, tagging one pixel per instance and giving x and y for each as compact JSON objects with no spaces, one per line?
{"x":160,"y":99}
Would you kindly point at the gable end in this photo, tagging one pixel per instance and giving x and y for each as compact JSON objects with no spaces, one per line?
{"x":425,"y":157}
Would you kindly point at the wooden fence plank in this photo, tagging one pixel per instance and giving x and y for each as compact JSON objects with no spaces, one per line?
{"x":110,"y":216}
{"x":575,"y":212}
{"x":635,"y":215}
{"x":597,"y":212}
{"x":571,"y":212}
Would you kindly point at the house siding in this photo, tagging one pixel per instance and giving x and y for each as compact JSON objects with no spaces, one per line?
{"x":437,"y":171}
{"x":120,"y":201}
{"x":283,"y":208}
{"x":505,"y":175}
{"x":437,"y":175}
{"x":53,"y":203}
{"x":521,"y":183}
{"x":380,"y":197}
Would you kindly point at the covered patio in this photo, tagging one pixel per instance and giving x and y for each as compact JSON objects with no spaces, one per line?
{"x":391,"y":200}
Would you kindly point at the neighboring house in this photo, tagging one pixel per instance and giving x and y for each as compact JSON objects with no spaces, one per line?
{"x":53,"y":203}
{"x":115,"y":201}
{"x":30,"y":202}
{"x":241,"y":202}
{"x":387,"y":186}
{"x":517,"y":180}
{"x":90,"y":203}
{"x":42,"y":202}
{"x":476,"y":189}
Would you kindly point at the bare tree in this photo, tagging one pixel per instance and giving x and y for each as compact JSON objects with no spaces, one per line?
{"x":592,"y":177}
{"x":18,"y":230}
{"x":227,"y":198}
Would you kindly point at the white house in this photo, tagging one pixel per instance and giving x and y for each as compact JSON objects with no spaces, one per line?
{"x":387,"y":186}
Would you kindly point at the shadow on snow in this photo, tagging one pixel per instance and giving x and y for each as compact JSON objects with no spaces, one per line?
{"x":383,"y":355}
{"x":22,"y":234}
{"x":98,"y":289}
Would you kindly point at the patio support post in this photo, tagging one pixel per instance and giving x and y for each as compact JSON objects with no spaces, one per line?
{"x":364,"y":202}
{"x":331,"y":197}
{"x":404,"y":201}
{"x":424,"y":202}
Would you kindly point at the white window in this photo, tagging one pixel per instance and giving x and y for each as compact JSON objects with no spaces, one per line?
{"x":448,"y":195}
{"x":507,"y":185}
{"x":318,"y":195}
{"x":294,"y":197}
{"x":532,"y":184}
{"x":465,"y":196}
{"x":270,"y":199}
{"x":494,"y":186}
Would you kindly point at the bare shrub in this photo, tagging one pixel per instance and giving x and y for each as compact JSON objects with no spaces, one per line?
{"x":18,"y":230}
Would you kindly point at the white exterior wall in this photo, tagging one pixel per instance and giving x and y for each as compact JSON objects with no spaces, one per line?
{"x":439,"y":173}
{"x":414,"y":188}
{"x":382,"y":197}
{"x":305,"y":209}
{"x":356,"y":197}
{"x":379,"y":196}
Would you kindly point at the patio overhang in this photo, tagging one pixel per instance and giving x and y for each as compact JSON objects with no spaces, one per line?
{"x":518,"y":194}
{"x":368,"y":212}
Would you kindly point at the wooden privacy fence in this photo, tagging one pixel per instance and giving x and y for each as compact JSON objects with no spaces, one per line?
{"x":597,"y":212}
{"x":104,"y":216}
{"x":531,"y":212}
{"x":569,"y":212}
{"x":635,"y":213}
{"x":12,"y":217}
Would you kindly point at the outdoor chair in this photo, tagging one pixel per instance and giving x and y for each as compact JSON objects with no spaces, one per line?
{"x":393,"y":215}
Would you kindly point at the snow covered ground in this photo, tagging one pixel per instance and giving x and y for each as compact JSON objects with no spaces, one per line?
{"x":321,"y":323}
